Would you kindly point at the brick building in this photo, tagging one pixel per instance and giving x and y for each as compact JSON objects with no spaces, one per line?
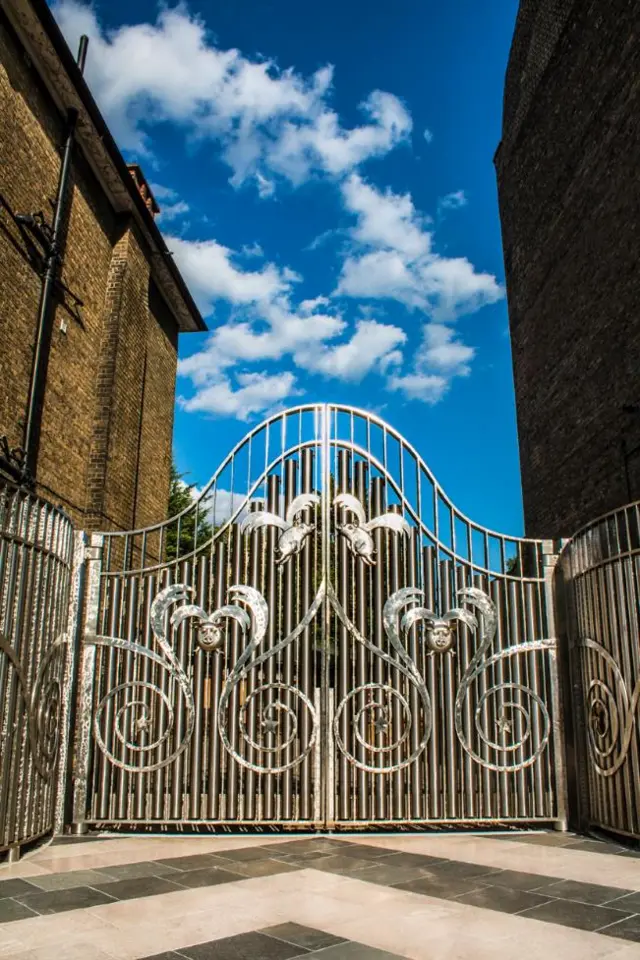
{"x":569,"y":203}
{"x":103,"y":416}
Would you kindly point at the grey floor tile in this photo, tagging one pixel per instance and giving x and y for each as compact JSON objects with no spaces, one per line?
{"x":134,"y":887}
{"x":195,"y":862}
{"x":595,"y":846}
{"x":583,"y":892}
{"x":388,"y":874}
{"x":502,"y":899}
{"x":303,"y":858}
{"x":630,"y":902}
{"x":261,"y":868}
{"x":628,"y":929}
{"x":302,"y":936}
{"x":354,"y":951}
{"x":145,"y":868}
{"x":363,"y":851}
{"x":413,"y":860}
{"x":583,"y":916}
{"x":208,"y":877}
{"x":246,"y":946}
{"x":66,"y":881}
{"x":15,"y":886}
{"x":520,"y":881}
{"x":446,"y":888}
{"x":461,"y":869}
{"x":57,"y":901}
{"x":13,"y":910}
{"x":341,"y":865}
{"x":246,"y":854}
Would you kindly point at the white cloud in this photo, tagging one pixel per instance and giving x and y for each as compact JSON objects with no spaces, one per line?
{"x":428,"y":135}
{"x":392,"y":257}
{"x":442,"y":351}
{"x":172,"y":211}
{"x":429,"y":388}
{"x":161,"y":192}
{"x":453,"y":201}
{"x":372,"y":345}
{"x":440,"y":358}
{"x":210,"y":273}
{"x":269,"y":122}
{"x":257,"y":393}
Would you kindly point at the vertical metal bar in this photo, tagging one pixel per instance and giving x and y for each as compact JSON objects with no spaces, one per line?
{"x":69,"y":688}
{"x":288,"y":658}
{"x":305,"y":678}
{"x":325,"y":738}
{"x":271,"y":594}
{"x":377,"y":633}
{"x":360,"y":596}
{"x":216,"y":666}
{"x":396,"y":779}
{"x":85,"y":705}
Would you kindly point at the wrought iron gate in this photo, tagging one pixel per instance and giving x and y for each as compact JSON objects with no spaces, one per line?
{"x":322,"y":640}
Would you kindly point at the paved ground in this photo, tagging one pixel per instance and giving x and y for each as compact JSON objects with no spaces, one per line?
{"x":453,"y":897}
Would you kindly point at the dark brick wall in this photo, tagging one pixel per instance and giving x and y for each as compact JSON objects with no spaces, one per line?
{"x":569,"y":205}
{"x":107,"y":418}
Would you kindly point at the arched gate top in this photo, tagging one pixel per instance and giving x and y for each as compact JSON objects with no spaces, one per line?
{"x":330,"y":432}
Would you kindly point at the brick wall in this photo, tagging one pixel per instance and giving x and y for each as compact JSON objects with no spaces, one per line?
{"x":107,"y":418}
{"x":569,"y":204}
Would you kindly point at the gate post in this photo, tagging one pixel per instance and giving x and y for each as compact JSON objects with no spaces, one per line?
{"x":70,"y":688}
{"x":82,"y":750}
{"x":550,"y":560}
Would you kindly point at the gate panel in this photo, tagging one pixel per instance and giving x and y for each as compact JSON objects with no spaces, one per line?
{"x":601,"y":567}
{"x":203,"y":671}
{"x":445,"y":705}
{"x":321,"y":640}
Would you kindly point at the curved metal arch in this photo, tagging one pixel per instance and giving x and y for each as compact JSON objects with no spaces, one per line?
{"x":331,"y":413}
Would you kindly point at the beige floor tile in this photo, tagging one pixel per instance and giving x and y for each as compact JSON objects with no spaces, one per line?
{"x":108,"y":853}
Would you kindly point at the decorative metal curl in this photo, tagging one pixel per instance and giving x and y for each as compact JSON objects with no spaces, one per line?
{"x":611,"y":714}
{"x":358,"y":532}
{"x":402,"y":663}
{"x":43,"y":708}
{"x":277,"y":717}
{"x":139,"y":726}
{"x":294,"y":530}
{"x":509,"y":708}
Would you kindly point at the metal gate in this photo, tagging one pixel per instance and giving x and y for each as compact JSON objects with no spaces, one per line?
{"x":321,"y":641}
{"x":601,"y":571}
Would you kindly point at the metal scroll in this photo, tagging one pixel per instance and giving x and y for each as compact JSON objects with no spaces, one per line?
{"x":321,"y":640}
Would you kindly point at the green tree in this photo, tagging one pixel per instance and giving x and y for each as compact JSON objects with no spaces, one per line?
{"x":182,"y":536}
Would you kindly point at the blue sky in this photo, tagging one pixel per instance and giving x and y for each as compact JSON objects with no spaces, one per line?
{"x":327,"y":187}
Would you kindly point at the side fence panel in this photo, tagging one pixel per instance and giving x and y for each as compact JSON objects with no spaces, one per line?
{"x":601,"y":570}
{"x":36,"y":556}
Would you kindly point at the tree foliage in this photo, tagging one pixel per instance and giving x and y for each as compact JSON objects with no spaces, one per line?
{"x":182,"y":534}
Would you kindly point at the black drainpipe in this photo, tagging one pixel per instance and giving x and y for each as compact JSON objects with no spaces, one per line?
{"x":53,"y":260}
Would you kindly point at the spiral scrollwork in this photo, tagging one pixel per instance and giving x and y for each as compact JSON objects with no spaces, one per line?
{"x":43,"y":706}
{"x":513,"y":705}
{"x":610,"y":712}
{"x":135,"y":719}
{"x":374,"y":702}
{"x":274,"y":706}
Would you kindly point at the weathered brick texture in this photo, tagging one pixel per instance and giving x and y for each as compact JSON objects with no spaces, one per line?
{"x":567,"y":182}
{"x":107,"y":419}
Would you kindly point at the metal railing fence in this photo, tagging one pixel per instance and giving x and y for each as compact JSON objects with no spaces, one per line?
{"x":36,"y":553}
